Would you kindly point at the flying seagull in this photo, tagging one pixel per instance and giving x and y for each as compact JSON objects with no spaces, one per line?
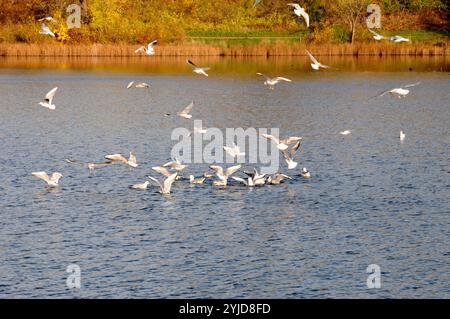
{"x":283,"y":144}
{"x":270,"y":82}
{"x":305,"y":173}
{"x":175,"y":165}
{"x":149,"y":50}
{"x":46,"y":30}
{"x":233,"y":151}
{"x":399,"y":92}
{"x":138,"y":85}
{"x":395,"y":38}
{"x":402,"y":136}
{"x":277,"y":178}
{"x":299,"y":11}
{"x":289,"y":155}
{"x":166,"y":186}
{"x":197,"y":69}
{"x":51,"y":181}
{"x":90,"y":166}
{"x":316,"y":65}
{"x":223,"y":175}
{"x":131,"y":161}
{"x":49,"y":99}
{"x":398,"y":38}
{"x":378,"y":36}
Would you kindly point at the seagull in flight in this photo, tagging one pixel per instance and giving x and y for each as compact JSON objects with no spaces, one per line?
{"x":175,"y":165}
{"x":90,"y":166}
{"x":197,"y":69}
{"x":166,"y":186}
{"x":149,"y":50}
{"x":283,"y":144}
{"x":49,"y":99}
{"x":233,"y":151}
{"x":138,"y":85}
{"x":289,"y":155}
{"x":270,"y":82}
{"x":51,"y":181}
{"x":378,"y":36}
{"x":396,"y":38}
{"x":316,"y":65}
{"x":402,"y":136}
{"x":299,"y":11}
{"x":185,"y":112}
{"x":399,"y":92}
{"x":131,"y":161}
{"x":223,"y":175}
{"x":46,"y":30}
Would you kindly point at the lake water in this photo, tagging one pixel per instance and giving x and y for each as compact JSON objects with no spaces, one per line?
{"x":371,"y":199}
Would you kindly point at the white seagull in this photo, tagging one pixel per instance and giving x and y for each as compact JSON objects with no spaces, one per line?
{"x":197,"y":69}
{"x":299,"y":11}
{"x":149,"y":50}
{"x":305,"y":173}
{"x":289,"y":156}
{"x":346,"y":132}
{"x":253,"y":179}
{"x":395,"y":38}
{"x":200,"y":180}
{"x":402,"y":136}
{"x":270,"y":82}
{"x":166,"y":186}
{"x":283,"y":144}
{"x":399,"y":92}
{"x":131,"y":161}
{"x":277,"y":178}
{"x":49,"y":99}
{"x":138,"y":85}
{"x":233,"y":151}
{"x":51,"y":181}
{"x":141,"y":186}
{"x":175,"y":165}
{"x":398,"y":38}
{"x":378,"y":36}
{"x":316,"y":65}
{"x":46,"y":30}
{"x":223,"y":175}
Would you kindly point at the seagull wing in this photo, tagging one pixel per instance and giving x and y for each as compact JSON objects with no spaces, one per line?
{"x":167,"y":185}
{"x":313,"y":59}
{"x":151,"y":44}
{"x":305,"y":16}
{"x":49,"y":96}
{"x":55,"y":177}
{"x":272,"y":138}
{"x":192,"y":63}
{"x":279,"y":78}
{"x":267,"y":78}
{"x":377,"y":34}
{"x":132,"y":158}
{"x":291,"y":140}
{"x":140,"y":50}
{"x":187,"y":109}
{"x":218,"y":170}
{"x":162,"y":170}
{"x":233,"y":169}
{"x":295,"y":148}
{"x":41,"y":175}
{"x":411,"y":85}
{"x":116,"y":158}
{"x":130,"y":84}
{"x":240,"y":180}
{"x":295,"y":6}
{"x":156,"y":182}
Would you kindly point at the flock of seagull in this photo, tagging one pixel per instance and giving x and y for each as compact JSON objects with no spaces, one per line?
{"x":173,"y":170}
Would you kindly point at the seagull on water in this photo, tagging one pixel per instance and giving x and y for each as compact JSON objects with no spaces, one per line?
{"x":402,"y":136}
{"x":270,"y":82}
{"x":141,"y":186}
{"x":51,"y":181}
{"x":254,"y":179}
{"x":149,"y":50}
{"x":346,"y":132}
{"x":49,"y":99}
{"x":197,"y":69}
{"x":233,"y":151}
{"x":138,"y":85}
{"x":223,"y":175}
{"x":299,"y":11}
{"x":289,"y":155}
{"x":166,"y":186}
{"x":46,"y":30}
{"x":131,"y":161}
{"x":399,"y":92}
{"x":277,"y":178}
{"x":90,"y":166}
{"x":283,"y":144}
{"x":316,"y":65}
{"x":200,"y":180}
{"x":305,"y":173}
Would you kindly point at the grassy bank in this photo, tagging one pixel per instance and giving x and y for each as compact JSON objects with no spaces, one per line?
{"x":224,"y":49}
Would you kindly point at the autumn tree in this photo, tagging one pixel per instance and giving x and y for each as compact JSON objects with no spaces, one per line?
{"x":351,"y":11}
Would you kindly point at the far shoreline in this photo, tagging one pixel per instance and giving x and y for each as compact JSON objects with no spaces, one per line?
{"x":195,"y":49}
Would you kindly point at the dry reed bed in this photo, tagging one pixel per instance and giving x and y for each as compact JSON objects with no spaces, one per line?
{"x":110,"y":50}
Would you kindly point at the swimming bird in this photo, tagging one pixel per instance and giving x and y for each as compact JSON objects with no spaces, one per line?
{"x":46,"y":30}
{"x":283,"y":144}
{"x":138,"y":85}
{"x":223,"y":175}
{"x":299,"y":11}
{"x":166,"y":186}
{"x":90,"y":166}
{"x":305,"y":173}
{"x":131,"y":161}
{"x":142,"y":186}
{"x":346,"y":132}
{"x":49,"y":99}
{"x":197,"y":69}
{"x":149,"y":50}
{"x":200,"y":180}
{"x":289,"y":156}
{"x":270,"y":82}
{"x":51,"y":181}
{"x":233,"y":151}
{"x":257,"y":179}
{"x":399,"y":92}
{"x":277,"y":178}
{"x":402,"y":136}
{"x":316,"y":65}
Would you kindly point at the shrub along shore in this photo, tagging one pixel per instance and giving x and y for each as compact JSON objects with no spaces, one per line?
{"x":189,"y":49}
